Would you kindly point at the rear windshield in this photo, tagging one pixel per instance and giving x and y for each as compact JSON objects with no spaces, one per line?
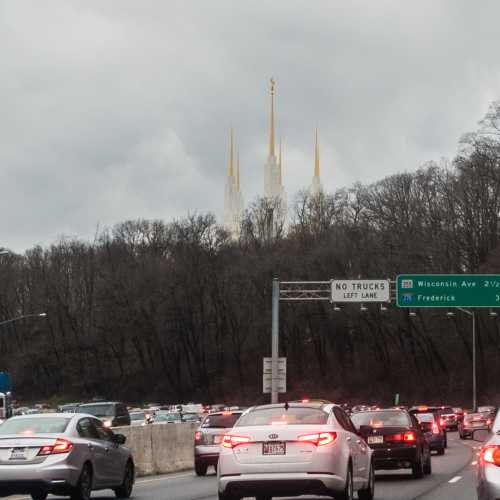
{"x":29,"y":426}
{"x":474,"y":416}
{"x":220,"y":421}
{"x":100,"y":410}
{"x":137,"y":415}
{"x":425,"y":417}
{"x":447,"y":410}
{"x":381,"y":419}
{"x":277,"y":416}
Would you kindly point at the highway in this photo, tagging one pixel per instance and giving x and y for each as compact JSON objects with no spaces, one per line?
{"x":453,"y":477}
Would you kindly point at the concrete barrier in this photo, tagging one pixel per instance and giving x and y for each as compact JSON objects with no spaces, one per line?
{"x":160,"y":448}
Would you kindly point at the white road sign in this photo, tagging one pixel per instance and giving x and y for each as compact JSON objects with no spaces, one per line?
{"x":267,"y":375}
{"x":361,"y":291}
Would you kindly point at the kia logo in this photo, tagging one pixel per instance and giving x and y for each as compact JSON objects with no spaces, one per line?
{"x":273,"y":436}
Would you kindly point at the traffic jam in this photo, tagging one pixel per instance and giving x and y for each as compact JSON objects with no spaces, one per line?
{"x":307,"y":447}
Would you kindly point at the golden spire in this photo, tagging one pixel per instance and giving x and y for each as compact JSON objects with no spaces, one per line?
{"x":238,"y":174}
{"x":230,"y":167}
{"x":280,"y":165}
{"x":316,"y":157}
{"x":271,"y":132}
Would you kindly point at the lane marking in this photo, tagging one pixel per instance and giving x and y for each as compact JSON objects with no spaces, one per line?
{"x":455,"y":479}
{"x":163,"y":478}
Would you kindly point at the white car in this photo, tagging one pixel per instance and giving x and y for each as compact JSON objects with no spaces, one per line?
{"x":488,"y":464}
{"x":293,"y":449}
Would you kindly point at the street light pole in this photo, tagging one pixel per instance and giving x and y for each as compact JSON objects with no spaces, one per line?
{"x":472,"y":314}
{"x":39,"y":315}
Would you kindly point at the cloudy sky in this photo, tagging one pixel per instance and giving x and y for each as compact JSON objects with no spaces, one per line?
{"x":120,"y":109}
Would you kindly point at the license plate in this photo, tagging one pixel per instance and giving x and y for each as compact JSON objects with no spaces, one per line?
{"x":217,"y":439}
{"x":274,"y":448}
{"x":375,"y":439}
{"x":18,"y":454}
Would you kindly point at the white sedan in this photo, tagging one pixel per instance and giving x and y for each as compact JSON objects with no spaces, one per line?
{"x":294,"y":449}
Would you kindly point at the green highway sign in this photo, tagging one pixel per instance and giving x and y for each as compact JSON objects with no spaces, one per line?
{"x":448,"y":290}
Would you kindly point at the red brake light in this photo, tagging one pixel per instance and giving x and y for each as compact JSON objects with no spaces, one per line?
{"x":442,"y":422}
{"x":227,"y":413}
{"x":491,"y":455}
{"x":197,"y":436}
{"x":319,"y":439}
{"x":409,"y":437}
{"x":305,"y":401}
{"x":466,"y":424}
{"x":60,"y":446}
{"x":435,"y":428}
{"x":488,"y":422}
{"x":423,"y":408}
{"x":229,"y":441}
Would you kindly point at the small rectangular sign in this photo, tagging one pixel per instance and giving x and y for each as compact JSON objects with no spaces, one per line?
{"x":448,"y":290}
{"x":361,"y":291}
{"x":268,"y":365}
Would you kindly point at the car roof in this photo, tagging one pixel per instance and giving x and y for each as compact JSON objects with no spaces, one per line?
{"x":102,"y":403}
{"x":292,"y":404}
{"x":225,"y":413}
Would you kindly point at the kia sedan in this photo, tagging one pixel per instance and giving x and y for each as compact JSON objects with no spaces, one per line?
{"x":64,"y":454}
{"x":488,"y":464}
{"x":294,"y":449}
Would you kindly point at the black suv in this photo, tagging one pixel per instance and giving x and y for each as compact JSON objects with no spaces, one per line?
{"x":111,"y":413}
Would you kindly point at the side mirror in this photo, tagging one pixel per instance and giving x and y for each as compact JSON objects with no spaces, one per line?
{"x":119,"y":439}
{"x":480,"y":435}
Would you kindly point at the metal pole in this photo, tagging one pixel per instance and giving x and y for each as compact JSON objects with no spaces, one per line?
{"x":474,"y":383}
{"x":275,"y":340}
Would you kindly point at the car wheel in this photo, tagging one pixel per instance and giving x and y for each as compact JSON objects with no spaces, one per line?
{"x":225,"y":496}
{"x":428,"y":466}
{"x":461,"y":435}
{"x":125,"y":489}
{"x":39,"y":496}
{"x":83,"y":489}
{"x":440,"y":451}
{"x":369,"y":492}
{"x":418,"y":469}
{"x":200,"y":469}
{"x":263,"y":498}
{"x":348,"y":493}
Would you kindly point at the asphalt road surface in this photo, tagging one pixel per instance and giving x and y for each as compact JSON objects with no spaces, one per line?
{"x":453,"y":477}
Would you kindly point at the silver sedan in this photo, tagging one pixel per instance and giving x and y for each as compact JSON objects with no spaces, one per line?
{"x":488,"y":465}
{"x":65,"y":454}
{"x":294,"y":449}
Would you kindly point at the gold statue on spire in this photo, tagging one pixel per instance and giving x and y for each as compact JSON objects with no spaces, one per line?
{"x":230,"y":166}
{"x":316,"y":157}
{"x":271,"y":133}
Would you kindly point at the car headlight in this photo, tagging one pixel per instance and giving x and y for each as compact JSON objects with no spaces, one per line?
{"x":107,"y":423}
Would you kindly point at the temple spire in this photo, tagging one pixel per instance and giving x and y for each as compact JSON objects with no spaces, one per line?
{"x":271,"y":132}
{"x":230,"y":167}
{"x":316,"y":157}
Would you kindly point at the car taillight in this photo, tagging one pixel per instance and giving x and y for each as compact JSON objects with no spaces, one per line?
{"x":229,"y":441}
{"x":60,"y":446}
{"x":488,"y":422}
{"x":466,"y":424}
{"x":491,"y":455}
{"x":435,"y":428}
{"x":319,"y":439}
{"x":441,"y":422}
{"x":197,"y":436}
{"x":409,"y":436}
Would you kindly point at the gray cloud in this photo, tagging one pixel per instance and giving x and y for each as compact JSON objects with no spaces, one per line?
{"x":121,"y":109}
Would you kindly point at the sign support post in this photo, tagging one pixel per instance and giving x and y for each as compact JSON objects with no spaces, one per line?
{"x":275,"y":340}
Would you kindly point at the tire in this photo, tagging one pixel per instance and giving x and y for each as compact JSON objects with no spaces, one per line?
{"x":369,"y":492}
{"x":125,"y":489}
{"x":440,"y":451}
{"x":200,"y":469}
{"x":224,"y":496}
{"x":417,"y":469}
{"x":461,"y":436}
{"x":348,"y":493}
{"x":263,"y":498}
{"x":428,"y":466}
{"x":39,"y":496}
{"x":83,"y":489}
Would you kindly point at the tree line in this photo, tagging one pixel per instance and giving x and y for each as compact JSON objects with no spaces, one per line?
{"x":180,"y":311}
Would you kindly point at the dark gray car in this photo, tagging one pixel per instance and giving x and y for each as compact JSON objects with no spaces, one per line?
{"x":111,"y":413}
{"x":64,"y":454}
